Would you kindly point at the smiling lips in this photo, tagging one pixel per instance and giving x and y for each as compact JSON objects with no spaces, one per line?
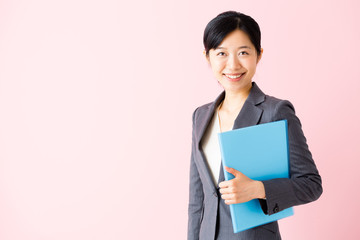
{"x":234,"y":77}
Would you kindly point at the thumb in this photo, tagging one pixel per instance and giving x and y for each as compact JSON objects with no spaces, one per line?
{"x":233,"y":171}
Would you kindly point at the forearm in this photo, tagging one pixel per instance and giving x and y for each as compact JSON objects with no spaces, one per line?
{"x":283,"y":193}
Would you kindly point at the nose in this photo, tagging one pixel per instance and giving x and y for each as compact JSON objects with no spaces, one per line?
{"x":233,"y":62}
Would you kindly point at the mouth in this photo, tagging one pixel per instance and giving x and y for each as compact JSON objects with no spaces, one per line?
{"x":234,"y":77}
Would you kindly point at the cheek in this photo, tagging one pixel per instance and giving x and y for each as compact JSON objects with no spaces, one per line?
{"x":251,"y":65}
{"x":217,"y":67}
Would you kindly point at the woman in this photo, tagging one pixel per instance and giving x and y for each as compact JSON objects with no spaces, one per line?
{"x":233,"y":50}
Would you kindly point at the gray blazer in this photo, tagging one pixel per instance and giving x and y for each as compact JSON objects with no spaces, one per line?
{"x":209,"y":216}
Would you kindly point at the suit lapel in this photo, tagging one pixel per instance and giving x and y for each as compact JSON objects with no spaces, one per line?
{"x":250,"y":113}
{"x":248,"y":116}
{"x":205,"y":119}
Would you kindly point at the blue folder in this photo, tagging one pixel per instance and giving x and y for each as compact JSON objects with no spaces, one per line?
{"x":261,"y":152}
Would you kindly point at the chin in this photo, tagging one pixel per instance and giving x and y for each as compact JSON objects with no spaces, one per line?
{"x":236,"y":86}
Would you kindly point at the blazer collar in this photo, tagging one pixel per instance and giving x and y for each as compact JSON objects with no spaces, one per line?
{"x":249,"y":115}
{"x":209,"y":113}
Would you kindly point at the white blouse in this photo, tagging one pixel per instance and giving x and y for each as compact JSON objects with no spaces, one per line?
{"x":211,"y":147}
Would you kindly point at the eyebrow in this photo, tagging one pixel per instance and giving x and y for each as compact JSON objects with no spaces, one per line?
{"x":237,"y":48}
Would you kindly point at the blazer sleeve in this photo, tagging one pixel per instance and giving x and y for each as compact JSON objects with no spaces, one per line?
{"x":196,"y":194}
{"x":304,"y":184}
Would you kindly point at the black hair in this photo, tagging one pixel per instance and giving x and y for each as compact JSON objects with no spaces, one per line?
{"x":226,"y":22}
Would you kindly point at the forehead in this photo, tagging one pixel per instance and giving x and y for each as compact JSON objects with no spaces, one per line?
{"x":236,"y":39}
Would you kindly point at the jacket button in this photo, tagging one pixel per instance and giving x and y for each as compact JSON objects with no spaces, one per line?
{"x":276,"y":208}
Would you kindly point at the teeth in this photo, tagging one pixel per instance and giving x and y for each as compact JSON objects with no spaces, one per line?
{"x":233,"y":76}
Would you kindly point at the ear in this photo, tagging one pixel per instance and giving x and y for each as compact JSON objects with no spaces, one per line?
{"x":206,"y":56}
{"x":260,"y":55}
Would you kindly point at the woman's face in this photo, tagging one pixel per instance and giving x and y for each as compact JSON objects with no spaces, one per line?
{"x":234,"y":61}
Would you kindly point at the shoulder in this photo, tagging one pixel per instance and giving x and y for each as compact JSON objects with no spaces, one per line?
{"x":275,"y":103}
{"x":200,"y":111}
{"x":276,"y":109}
{"x":203,"y":110}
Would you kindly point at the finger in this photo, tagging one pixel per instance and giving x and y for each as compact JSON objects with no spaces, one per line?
{"x":229,"y":202}
{"x":235,"y":172}
{"x":224,"y":184}
{"x":227,"y":184}
{"x":232,"y":171}
{"x":228,"y":196}
{"x":226,"y":190}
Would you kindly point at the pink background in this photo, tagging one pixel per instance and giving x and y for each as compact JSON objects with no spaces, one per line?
{"x":96,"y":100}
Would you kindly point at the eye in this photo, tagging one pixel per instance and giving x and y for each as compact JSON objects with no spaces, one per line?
{"x":243,"y":53}
{"x":220,"y":54}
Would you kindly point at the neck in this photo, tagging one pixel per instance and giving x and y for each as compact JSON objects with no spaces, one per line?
{"x":235,"y":100}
